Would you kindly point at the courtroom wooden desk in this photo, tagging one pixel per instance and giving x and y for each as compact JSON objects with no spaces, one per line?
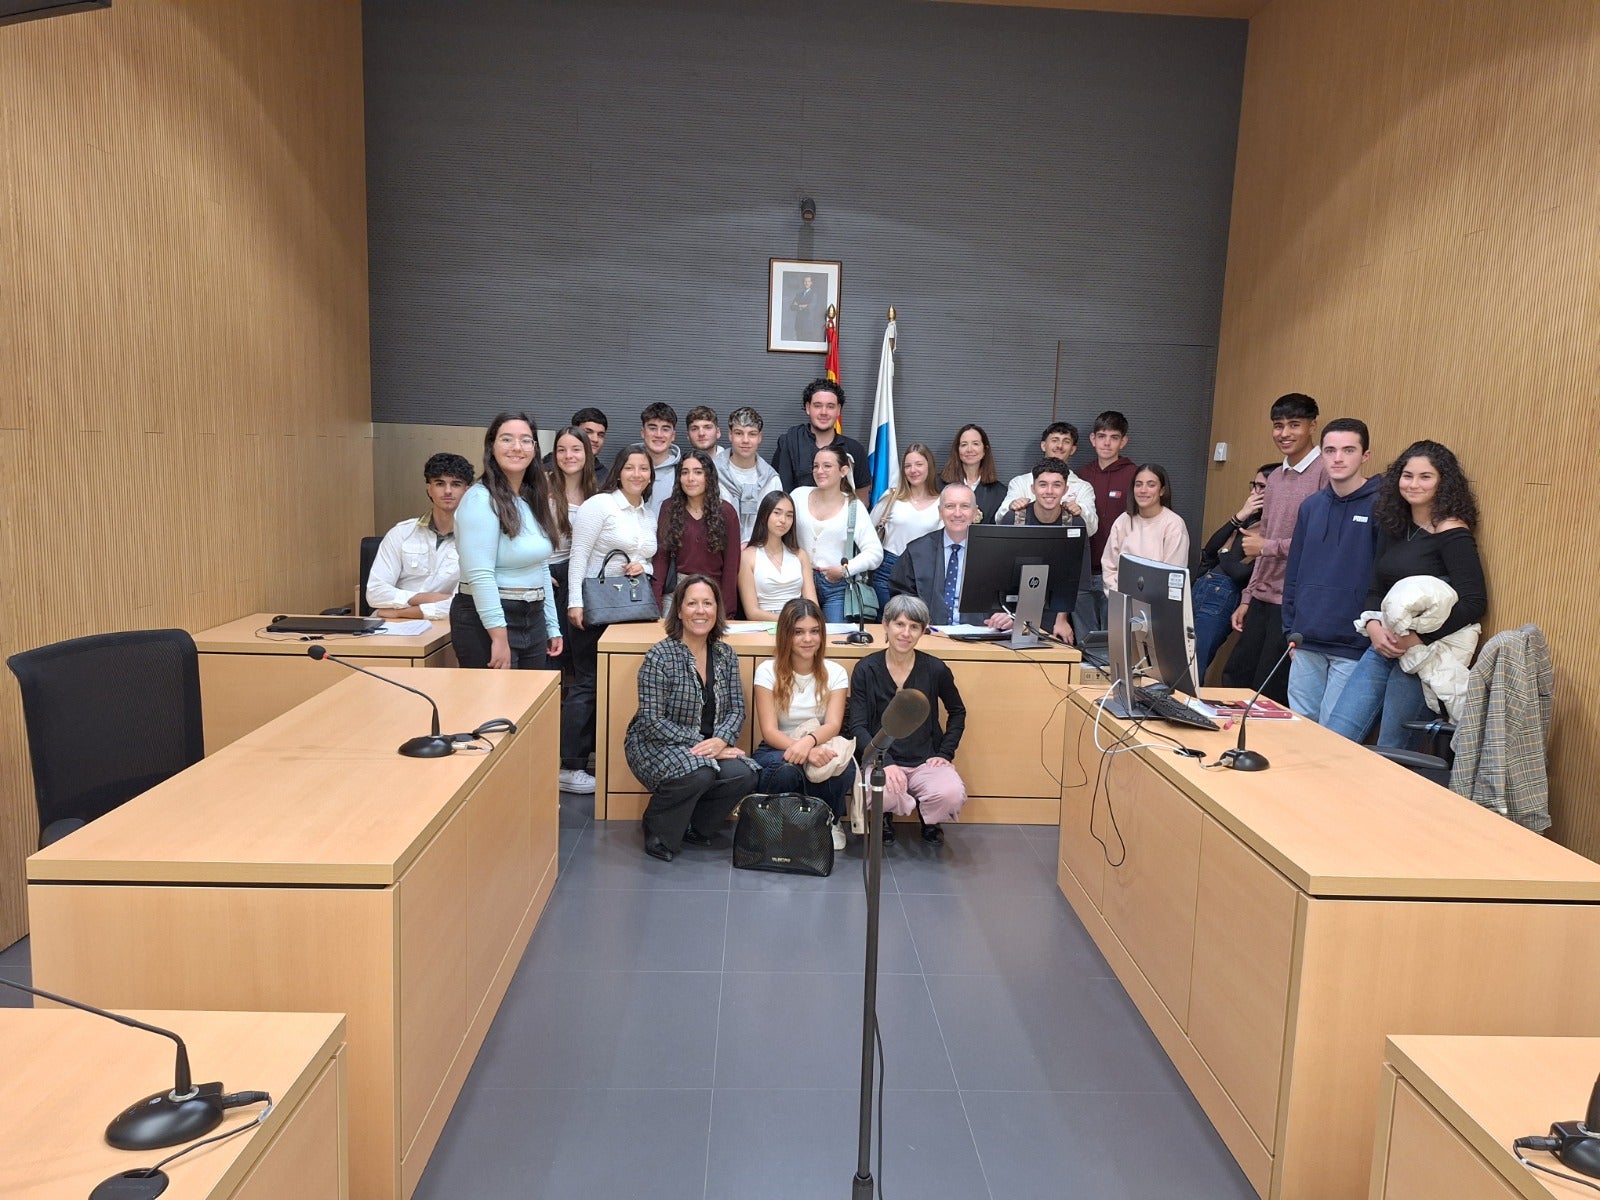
{"x":309,"y":867}
{"x":68,"y":1073}
{"x":246,"y":680}
{"x":1010,"y":756}
{"x":1274,"y":927}
{"x":1450,"y":1108}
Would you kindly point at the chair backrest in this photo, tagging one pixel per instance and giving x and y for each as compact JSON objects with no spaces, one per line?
{"x":108,"y":717}
{"x":369,"y":554}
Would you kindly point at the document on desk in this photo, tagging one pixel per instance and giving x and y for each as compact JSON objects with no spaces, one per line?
{"x":405,"y":628}
{"x":965,"y":630}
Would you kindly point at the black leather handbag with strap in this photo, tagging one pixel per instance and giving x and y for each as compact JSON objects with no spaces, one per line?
{"x":620,"y":600}
{"x":784,"y":832}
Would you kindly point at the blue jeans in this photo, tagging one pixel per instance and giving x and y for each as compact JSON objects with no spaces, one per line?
{"x":1215,"y":598}
{"x":1316,"y":681}
{"x":779,"y":776}
{"x":830,"y":598}
{"x":1378,"y":688}
{"x":880,"y":579}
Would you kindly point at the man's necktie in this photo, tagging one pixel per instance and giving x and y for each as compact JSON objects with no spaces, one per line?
{"x":952,"y":576}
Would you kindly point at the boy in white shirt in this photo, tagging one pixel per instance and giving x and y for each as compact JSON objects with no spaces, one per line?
{"x":416,"y":572}
{"x":1059,"y":440}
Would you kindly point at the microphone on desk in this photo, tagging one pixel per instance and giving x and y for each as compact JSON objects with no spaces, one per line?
{"x":432,"y":746}
{"x":1239,"y":758}
{"x":1575,"y":1143}
{"x":165,"y":1118}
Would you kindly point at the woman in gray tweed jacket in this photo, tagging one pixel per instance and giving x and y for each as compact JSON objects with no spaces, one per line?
{"x":680,"y":743}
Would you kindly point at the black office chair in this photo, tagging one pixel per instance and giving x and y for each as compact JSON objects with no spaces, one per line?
{"x":108,"y":717}
{"x":369,"y":555}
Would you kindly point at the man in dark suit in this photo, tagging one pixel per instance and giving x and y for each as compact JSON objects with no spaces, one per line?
{"x":810,"y":310}
{"x":934,"y":564}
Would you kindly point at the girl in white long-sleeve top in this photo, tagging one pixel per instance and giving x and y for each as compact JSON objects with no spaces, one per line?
{"x":618,"y":518}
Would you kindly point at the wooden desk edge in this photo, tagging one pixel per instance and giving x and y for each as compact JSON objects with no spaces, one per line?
{"x":1501,"y":1158}
{"x":1359,"y":887}
{"x":44,"y":868}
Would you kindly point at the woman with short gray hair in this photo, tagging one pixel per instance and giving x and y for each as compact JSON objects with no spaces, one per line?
{"x":919,"y":775}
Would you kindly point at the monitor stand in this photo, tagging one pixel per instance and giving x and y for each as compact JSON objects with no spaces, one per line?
{"x":1119,"y":651}
{"x":1032,"y":588}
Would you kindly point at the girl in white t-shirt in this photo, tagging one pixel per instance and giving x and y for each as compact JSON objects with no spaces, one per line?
{"x":796,"y":686}
{"x":905,"y":512}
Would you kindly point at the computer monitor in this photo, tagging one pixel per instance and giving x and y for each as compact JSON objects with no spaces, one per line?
{"x":1034,"y":567}
{"x":1150,"y":623}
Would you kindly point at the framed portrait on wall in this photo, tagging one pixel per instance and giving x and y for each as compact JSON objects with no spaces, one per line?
{"x":798,"y":294}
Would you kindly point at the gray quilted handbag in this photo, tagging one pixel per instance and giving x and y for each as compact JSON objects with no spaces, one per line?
{"x":621,"y":600}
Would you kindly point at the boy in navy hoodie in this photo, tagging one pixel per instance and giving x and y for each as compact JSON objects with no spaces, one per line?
{"x":1330,"y":566}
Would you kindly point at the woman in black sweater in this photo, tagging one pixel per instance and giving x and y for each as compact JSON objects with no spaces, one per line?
{"x":918,"y":774}
{"x":1224,"y":574}
{"x":1425,"y":513}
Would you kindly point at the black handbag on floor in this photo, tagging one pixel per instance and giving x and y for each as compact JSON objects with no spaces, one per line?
{"x":784,"y":832}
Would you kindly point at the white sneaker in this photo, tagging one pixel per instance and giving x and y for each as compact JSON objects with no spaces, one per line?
{"x":838,"y":836}
{"x":580,"y":782}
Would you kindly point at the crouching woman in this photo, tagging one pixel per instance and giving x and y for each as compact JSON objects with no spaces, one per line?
{"x":680,"y":743}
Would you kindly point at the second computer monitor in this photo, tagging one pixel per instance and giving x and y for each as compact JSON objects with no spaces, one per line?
{"x":1152,"y":625}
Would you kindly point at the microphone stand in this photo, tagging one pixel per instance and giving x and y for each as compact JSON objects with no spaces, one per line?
{"x":862,"y":1186}
{"x":1239,"y":758}
{"x":908,"y":710}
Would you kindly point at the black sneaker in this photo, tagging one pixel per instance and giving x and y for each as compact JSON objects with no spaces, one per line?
{"x":934,"y":834}
{"x":888,"y":829}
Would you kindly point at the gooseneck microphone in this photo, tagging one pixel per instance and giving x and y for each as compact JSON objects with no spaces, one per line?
{"x":165,"y":1118}
{"x":901,"y":716}
{"x":1239,"y":758}
{"x":432,"y":746}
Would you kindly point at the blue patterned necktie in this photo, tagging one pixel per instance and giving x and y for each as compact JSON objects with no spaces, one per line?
{"x":952,"y":575}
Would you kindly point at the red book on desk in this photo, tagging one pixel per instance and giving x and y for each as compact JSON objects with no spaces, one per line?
{"x":1264,"y":709}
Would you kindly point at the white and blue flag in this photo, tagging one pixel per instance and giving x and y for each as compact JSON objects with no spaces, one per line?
{"x":883,"y":452}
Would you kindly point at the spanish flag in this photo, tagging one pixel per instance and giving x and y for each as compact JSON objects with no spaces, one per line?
{"x":830,"y":332}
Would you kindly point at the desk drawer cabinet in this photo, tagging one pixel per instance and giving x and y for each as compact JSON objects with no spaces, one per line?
{"x":1427,"y":1159}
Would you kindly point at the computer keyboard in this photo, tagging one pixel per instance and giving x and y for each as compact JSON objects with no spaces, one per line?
{"x":1161,"y":704}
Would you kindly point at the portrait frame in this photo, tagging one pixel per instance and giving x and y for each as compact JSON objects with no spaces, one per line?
{"x":791,"y":321}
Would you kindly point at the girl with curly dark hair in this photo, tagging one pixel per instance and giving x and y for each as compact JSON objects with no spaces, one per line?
{"x":697,"y":532}
{"x":1425,"y":512}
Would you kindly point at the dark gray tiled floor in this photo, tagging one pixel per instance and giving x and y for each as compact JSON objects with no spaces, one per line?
{"x":685,"y":1029}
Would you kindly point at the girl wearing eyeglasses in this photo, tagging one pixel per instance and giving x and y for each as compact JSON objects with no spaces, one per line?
{"x":504,"y":615}
{"x":1224,"y":572}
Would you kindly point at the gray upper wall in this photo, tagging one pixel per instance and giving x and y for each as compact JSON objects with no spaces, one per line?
{"x":573,"y":202}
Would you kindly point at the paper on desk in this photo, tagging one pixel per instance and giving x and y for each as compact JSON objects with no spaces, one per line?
{"x":751,"y":627}
{"x":962,"y":630}
{"x":406,"y":628}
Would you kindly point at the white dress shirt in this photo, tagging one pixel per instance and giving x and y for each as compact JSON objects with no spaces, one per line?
{"x":414,"y":558}
{"x":605,"y":523}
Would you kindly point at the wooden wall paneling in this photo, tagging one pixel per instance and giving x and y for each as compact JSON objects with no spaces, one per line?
{"x":1413,"y":241}
{"x":399,"y":452}
{"x":186,"y":399}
